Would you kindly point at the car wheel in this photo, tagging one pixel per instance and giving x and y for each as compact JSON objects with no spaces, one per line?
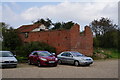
{"x":59,"y":62}
{"x":88,"y":65}
{"x":3,"y":67}
{"x":55,"y":65}
{"x":29,"y":62}
{"x":76,"y":63}
{"x":38,"y":64}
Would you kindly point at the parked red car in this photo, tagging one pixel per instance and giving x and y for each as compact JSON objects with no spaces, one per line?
{"x":42,"y":58}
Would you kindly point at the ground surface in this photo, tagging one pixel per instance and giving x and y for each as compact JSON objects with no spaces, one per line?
{"x":99,"y":69}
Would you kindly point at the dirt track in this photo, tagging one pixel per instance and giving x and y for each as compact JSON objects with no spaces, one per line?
{"x":99,"y":69}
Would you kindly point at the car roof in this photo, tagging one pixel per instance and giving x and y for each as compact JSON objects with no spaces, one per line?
{"x":40,"y":51}
{"x":4,"y":51}
{"x":70,"y":51}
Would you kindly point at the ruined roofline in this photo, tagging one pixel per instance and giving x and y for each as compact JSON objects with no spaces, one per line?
{"x":28,"y":28}
{"x":27,"y":25}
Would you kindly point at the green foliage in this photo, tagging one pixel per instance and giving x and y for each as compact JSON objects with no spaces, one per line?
{"x":10,"y":39}
{"x":106,"y":33}
{"x":22,"y":59}
{"x":109,"y":52}
{"x":46,"y":22}
{"x":110,"y":39}
{"x":27,"y":48}
{"x":119,"y":39}
{"x":96,"y":42}
{"x":2,"y":27}
{"x":101,"y":26}
{"x":58,"y":25}
{"x":63,"y":25}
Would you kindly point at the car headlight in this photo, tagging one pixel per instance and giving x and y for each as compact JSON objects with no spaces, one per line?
{"x":91,"y":59}
{"x":56,"y":59}
{"x":83,"y":59}
{"x":43,"y":59}
{"x":2,"y":61}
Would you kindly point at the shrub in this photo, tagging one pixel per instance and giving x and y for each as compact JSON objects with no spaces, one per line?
{"x":27,"y":48}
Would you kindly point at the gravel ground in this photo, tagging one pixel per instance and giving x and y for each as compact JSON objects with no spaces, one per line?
{"x":99,"y":69}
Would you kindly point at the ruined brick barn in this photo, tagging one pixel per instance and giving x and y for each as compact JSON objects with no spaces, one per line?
{"x":62,"y":40}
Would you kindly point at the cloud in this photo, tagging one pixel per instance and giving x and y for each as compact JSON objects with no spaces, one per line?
{"x":12,"y":18}
{"x":8,"y":14}
{"x":82,"y":13}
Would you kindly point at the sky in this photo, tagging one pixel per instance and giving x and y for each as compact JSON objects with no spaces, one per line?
{"x":17,"y":13}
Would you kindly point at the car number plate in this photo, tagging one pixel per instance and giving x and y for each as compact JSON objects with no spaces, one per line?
{"x":51,"y":61}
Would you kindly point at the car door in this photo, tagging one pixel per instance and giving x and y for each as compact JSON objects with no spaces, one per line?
{"x":63,"y":57}
{"x":31,"y":57}
{"x":69,"y":58}
{"x":35,"y":57}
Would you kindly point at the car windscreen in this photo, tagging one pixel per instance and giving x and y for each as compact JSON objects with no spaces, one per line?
{"x":6,"y":54}
{"x":77,"y":54}
{"x":44,"y":53}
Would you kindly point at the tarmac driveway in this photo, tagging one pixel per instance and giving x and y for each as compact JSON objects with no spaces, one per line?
{"x":99,"y":69}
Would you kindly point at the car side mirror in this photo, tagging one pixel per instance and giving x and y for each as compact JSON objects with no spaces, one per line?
{"x":53,"y":54}
{"x":14,"y":55}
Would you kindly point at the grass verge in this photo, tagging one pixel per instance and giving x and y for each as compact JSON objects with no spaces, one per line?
{"x":106,"y":53}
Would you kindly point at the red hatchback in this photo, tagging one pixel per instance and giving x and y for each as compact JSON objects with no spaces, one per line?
{"x":42,"y":58}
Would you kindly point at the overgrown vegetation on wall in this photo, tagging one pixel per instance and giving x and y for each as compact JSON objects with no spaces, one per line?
{"x":58,"y":25}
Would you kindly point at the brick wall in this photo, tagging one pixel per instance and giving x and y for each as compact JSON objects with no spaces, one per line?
{"x":82,"y":42}
{"x":64,"y":40}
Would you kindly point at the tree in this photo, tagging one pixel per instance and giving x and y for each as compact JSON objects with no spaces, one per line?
{"x":110,"y":39}
{"x":46,"y":22}
{"x":99,"y":27}
{"x":63,"y":25}
{"x":57,"y":25}
{"x":106,"y":33}
{"x":10,"y":39}
{"x":2,"y":27}
{"x":119,"y":39}
{"x":68,"y":25}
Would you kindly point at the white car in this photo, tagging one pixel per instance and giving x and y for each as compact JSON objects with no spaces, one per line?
{"x":7,"y":59}
{"x":73,"y":57}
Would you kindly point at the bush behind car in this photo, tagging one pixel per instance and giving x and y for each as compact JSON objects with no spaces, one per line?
{"x":23,"y":51}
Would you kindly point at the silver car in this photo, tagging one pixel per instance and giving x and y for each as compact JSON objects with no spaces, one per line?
{"x":7,"y":59}
{"x":73,"y":57}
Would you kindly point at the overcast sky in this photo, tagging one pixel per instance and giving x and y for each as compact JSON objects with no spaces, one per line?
{"x":23,"y":13}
